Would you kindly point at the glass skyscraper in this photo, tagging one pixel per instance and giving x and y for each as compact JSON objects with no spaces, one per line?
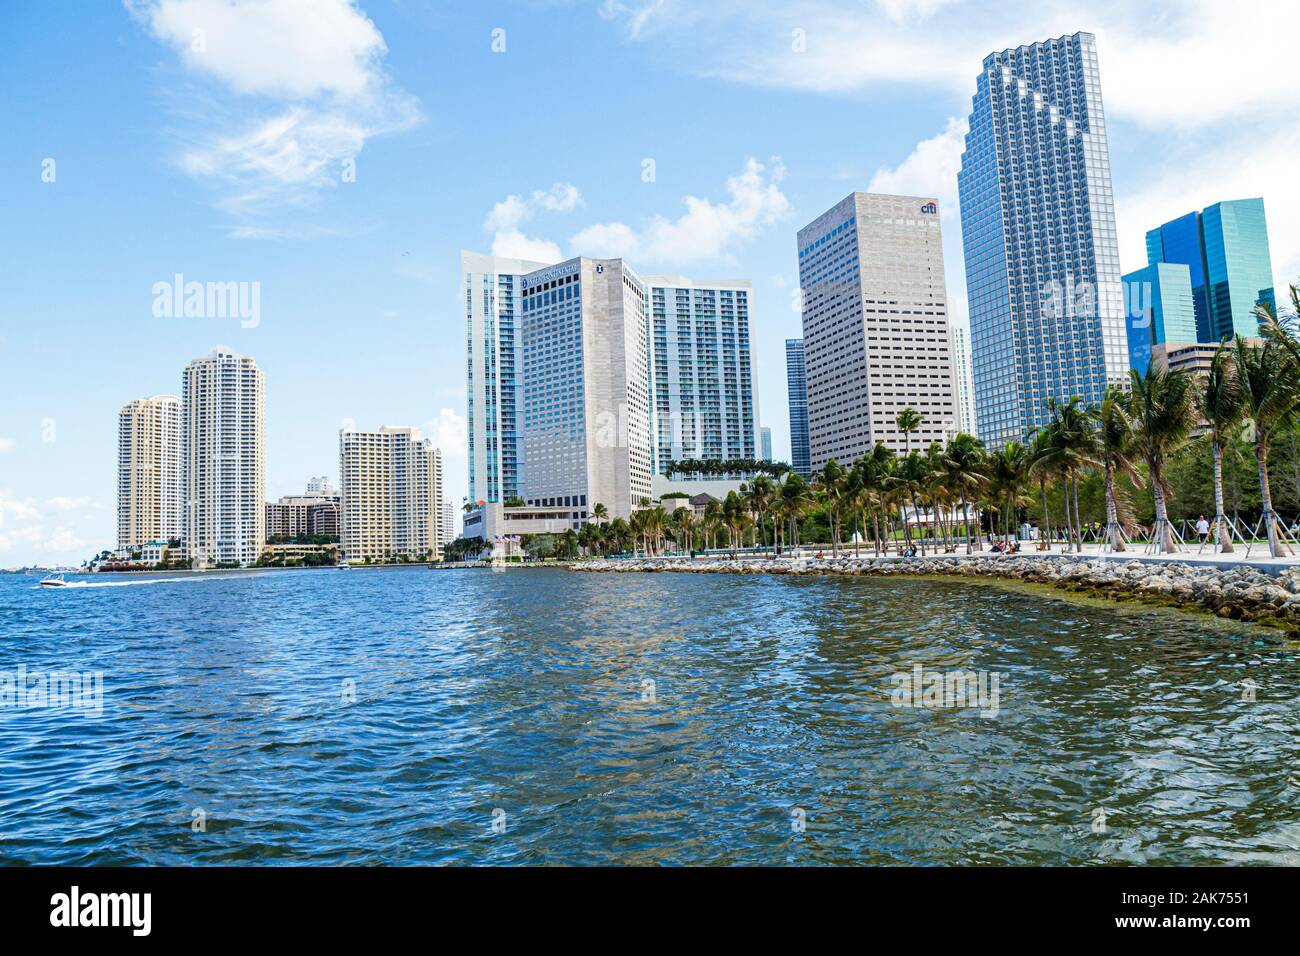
{"x":1225,"y":247}
{"x":1038,"y":229}
{"x":797,"y":385}
{"x":491,"y":294}
{"x":703,"y":374}
{"x":1159,"y":310}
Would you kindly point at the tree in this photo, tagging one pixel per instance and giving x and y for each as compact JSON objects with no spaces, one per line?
{"x":1267,"y":375}
{"x":599,"y":513}
{"x":1116,"y":443}
{"x":1008,"y":468}
{"x":829,"y":483}
{"x":1161,"y":409}
{"x":1220,"y":403}
{"x":907,"y":421}
{"x":794,"y":501}
{"x":964,"y":462}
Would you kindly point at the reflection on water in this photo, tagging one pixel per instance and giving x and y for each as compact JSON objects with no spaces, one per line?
{"x":410,"y":716}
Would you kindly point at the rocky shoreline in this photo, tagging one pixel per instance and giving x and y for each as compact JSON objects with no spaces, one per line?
{"x":1238,"y":593}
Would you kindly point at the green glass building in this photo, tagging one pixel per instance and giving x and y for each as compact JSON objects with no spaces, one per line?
{"x":1225,"y":247}
{"x":1158,"y":309}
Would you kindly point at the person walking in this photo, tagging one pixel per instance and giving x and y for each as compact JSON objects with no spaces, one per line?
{"x":1203,"y":529}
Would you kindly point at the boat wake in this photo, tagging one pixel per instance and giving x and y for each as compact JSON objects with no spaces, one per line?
{"x":129,"y":584}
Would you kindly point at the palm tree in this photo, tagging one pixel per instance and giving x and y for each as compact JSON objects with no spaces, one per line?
{"x":760,"y":495}
{"x":830,"y":482}
{"x":1161,"y":409}
{"x":1268,"y":377}
{"x":794,"y":501}
{"x":907,"y":421}
{"x":733,"y":512}
{"x":911,"y":477}
{"x":1042,"y":469}
{"x":1008,"y":467}
{"x":964,"y":461}
{"x":1116,"y":443}
{"x":599,"y":513}
{"x":1220,"y":403}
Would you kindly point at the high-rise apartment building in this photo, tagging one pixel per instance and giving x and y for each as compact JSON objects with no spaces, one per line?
{"x":704,"y":400}
{"x":448,"y":529}
{"x":223,"y":465}
{"x":1038,"y":229}
{"x":1225,"y":248}
{"x":586,"y":374}
{"x":296,"y":515}
{"x":149,"y":471}
{"x":797,"y":390}
{"x":875,"y":326}
{"x":390,"y":496}
{"x":320,"y":486}
{"x":1159,"y":309}
{"x":963,"y":381}
{"x":490,"y":294}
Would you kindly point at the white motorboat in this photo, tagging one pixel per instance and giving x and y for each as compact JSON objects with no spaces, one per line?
{"x":53,"y":581}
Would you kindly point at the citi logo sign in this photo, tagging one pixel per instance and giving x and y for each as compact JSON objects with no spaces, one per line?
{"x":930,"y":209}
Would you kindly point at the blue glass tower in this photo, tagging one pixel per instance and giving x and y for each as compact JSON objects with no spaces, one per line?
{"x":1038,"y":229}
{"x":1225,"y":246}
{"x":1159,"y":309}
{"x":797,"y":384}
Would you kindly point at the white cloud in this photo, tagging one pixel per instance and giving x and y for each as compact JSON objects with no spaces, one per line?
{"x":507,"y":216}
{"x":282,"y":48}
{"x":66,"y":503}
{"x":23,"y":528}
{"x":903,"y":10}
{"x":1163,"y":63}
{"x":930,"y":170}
{"x":450,"y":433}
{"x":297,"y":89}
{"x":638,"y":16}
{"x":7,"y":445}
{"x":707,"y":231}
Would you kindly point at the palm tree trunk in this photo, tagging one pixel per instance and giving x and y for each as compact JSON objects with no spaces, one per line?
{"x":1112,"y":511}
{"x":1162,"y":514}
{"x":965,"y":517}
{"x":1078,"y":519}
{"x":1266,"y":498}
{"x":1222,"y":538}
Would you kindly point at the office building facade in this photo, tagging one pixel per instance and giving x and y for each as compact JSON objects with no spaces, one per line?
{"x":390,"y":496}
{"x":796,"y":382}
{"x":1225,"y":249}
{"x":586,"y":373}
{"x":223,"y":461}
{"x":875,"y":326}
{"x":704,"y":399}
{"x":1159,"y":309}
{"x":149,"y":486}
{"x":1038,"y":230}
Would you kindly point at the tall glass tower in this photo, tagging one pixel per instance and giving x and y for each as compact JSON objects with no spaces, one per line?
{"x":1038,"y":229}
{"x":796,"y":381}
{"x":1225,"y":247}
{"x":491,"y":294}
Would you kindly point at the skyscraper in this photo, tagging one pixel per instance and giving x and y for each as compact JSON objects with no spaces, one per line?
{"x":797,"y":389}
{"x":223,"y":465}
{"x":149,"y":471}
{"x":1159,"y":309}
{"x":494,"y":360}
{"x":764,"y":443}
{"x":875,"y":326}
{"x":1225,"y":248}
{"x":390,"y":495}
{"x":962,"y":380}
{"x":703,"y":374}
{"x":586,"y":374}
{"x":1038,"y":229}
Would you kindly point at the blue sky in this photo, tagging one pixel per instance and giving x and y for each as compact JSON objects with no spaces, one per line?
{"x":221,"y":155}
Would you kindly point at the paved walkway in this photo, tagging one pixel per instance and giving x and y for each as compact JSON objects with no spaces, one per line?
{"x":1209,"y":557}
